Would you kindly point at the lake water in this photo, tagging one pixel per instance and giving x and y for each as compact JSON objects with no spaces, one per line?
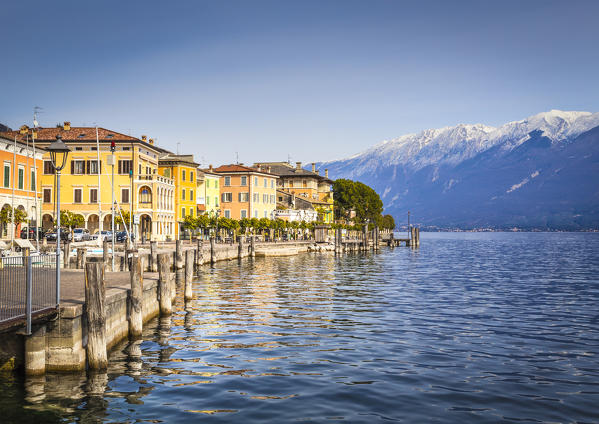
{"x":472,"y":327}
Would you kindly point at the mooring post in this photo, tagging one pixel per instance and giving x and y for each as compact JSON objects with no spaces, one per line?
{"x":153,"y":257}
{"x":252,"y":246}
{"x":105,"y":258}
{"x":67,"y":255}
{"x":418,"y":236}
{"x":189,"y":255}
{"x":164,"y":284}
{"x":240,"y":247}
{"x":136,"y":300}
{"x":81,"y":252}
{"x":199,"y":257}
{"x":212,"y":253}
{"x":178,"y":255}
{"x":95,"y":298}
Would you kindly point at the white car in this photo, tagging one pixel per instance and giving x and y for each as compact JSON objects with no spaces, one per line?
{"x":81,"y":234}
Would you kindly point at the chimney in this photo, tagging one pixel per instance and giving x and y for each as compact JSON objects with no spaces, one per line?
{"x":269,"y":168}
{"x":144,"y":138}
{"x":298,"y":165}
{"x":23,"y":129}
{"x":210,"y":167}
{"x":259,"y":167}
{"x":326,"y":173}
{"x":66,"y":126}
{"x":313,"y":167}
{"x":151,"y":141}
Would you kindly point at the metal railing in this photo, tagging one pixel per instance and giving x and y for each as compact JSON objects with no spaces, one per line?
{"x":27,"y":287}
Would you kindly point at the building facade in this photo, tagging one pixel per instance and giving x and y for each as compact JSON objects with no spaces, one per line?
{"x":246,"y":192}
{"x":183,"y":170}
{"x":19,"y":185}
{"x":87,"y":183}
{"x":210,"y":198}
{"x":308,"y":185}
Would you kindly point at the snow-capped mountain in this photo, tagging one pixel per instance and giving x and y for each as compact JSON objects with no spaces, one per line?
{"x":485,"y":166}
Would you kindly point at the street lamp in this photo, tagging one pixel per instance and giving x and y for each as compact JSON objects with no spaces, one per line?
{"x":58,"y":155}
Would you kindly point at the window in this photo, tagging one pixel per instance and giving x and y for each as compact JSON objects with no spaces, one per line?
{"x":93,"y":195}
{"x":265,"y":214}
{"x":124,"y":195}
{"x":6,"y":175}
{"x":78,"y":148}
{"x":92,"y":167}
{"x":265,"y":198}
{"x":290,"y":183}
{"x":126,"y":148}
{"x":256,"y":198}
{"x":227,"y":213}
{"x":94,"y":149}
{"x":244,"y":180}
{"x":216,"y":201}
{"x":227,"y":197}
{"x":77,"y":167}
{"x":265,"y":183}
{"x":304,"y":183}
{"x":243,"y":197}
{"x":255,"y":214}
{"x":47,"y":195}
{"x":33,"y":180}
{"x":244,"y":213}
{"x":207,"y":201}
{"x":182,"y":212}
{"x":215,"y":183}
{"x":255,"y":181}
{"x":48,"y":167}
{"x":21,"y":176}
{"x":191,"y":177}
{"x":190,"y":194}
{"x":272,"y":198}
{"x":183,"y":174}
{"x":145,"y":195}
{"x":125,"y":166}
{"x":182,"y":194}
{"x":207,"y":183}
{"x":77,"y":195}
{"x":139,"y":167}
{"x":227,"y":181}
{"x":190,"y":211}
{"x":272,"y":183}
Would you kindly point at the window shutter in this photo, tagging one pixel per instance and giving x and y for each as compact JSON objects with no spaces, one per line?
{"x":222,"y":197}
{"x":72,"y":167}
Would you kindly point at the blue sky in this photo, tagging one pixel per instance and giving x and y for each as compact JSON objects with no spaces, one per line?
{"x":309,"y":80}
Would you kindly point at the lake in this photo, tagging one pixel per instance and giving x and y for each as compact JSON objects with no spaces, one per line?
{"x":471,"y":327}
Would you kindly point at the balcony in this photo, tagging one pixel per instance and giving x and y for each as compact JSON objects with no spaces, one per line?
{"x":144,"y":178}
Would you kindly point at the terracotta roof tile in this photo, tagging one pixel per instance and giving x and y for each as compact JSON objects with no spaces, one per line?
{"x":77,"y":134}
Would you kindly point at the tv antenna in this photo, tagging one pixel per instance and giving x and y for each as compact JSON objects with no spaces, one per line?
{"x":237,"y":158}
{"x":36,"y":111}
{"x":178,"y":148}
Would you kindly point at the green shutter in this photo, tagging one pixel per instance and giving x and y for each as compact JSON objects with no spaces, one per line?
{"x":6,"y":176}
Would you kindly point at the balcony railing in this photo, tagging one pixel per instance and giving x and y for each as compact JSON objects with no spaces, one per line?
{"x":155,"y":178}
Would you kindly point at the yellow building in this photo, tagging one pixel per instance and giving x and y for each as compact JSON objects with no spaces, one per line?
{"x":183,"y":170}
{"x":211,"y":193}
{"x":86,"y":186}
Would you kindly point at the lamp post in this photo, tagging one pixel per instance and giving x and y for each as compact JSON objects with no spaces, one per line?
{"x":58,"y":155}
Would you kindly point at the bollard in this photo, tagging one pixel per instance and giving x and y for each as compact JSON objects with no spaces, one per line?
{"x":178,"y":255}
{"x":240,"y":247}
{"x":164,"y":284}
{"x":212,"y":253}
{"x":199,"y":257}
{"x":189,"y":255}
{"x":105,"y":257}
{"x":153,"y":257}
{"x":95,"y":298}
{"x":252,"y":246}
{"x":135,"y":315}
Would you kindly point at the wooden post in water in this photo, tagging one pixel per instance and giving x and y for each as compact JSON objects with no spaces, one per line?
{"x":240,"y":247}
{"x":253,"y":246}
{"x":199,"y":257}
{"x":178,"y":255}
{"x":418,"y":237}
{"x":153,"y":257}
{"x":135,"y":315}
{"x":95,"y":298}
{"x":189,"y":255}
{"x":164,"y":284}
{"x":212,"y":257}
{"x":81,"y":257}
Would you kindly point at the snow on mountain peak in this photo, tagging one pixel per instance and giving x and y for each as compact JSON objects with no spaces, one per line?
{"x":454,"y":144}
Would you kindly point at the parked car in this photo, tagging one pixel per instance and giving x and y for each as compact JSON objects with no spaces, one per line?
{"x":105,"y":234}
{"x":121,"y":236}
{"x":32,"y":233}
{"x":81,"y":234}
{"x":65,"y":235}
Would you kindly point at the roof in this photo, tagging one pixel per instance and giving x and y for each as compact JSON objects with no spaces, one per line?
{"x":234,"y":168}
{"x":19,"y":142}
{"x":77,"y":134}
{"x":172,"y":158}
{"x":283,"y":169}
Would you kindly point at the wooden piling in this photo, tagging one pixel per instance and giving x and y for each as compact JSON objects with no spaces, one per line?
{"x":67,"y":255}
{"x":153,"y":257}
{"x":179,"y":260}
{"x":95,"y":297}
{"x":164,"y":284}
{"x":240,"y":247}
{"x":189,"y":256}
{"x":81,"y":254}
{"x":212,"y":252}
{"x":136,"y":299}
{"x":105,"y":257}
{"x":252,"y":246}
{"x":199,"y":255}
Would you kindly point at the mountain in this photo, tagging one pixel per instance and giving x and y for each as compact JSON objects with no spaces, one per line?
{"x":541,"y":172}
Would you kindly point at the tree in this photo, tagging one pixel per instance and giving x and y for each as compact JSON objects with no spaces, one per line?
{"x":388,"y":222}
{"x":71,"y":220}
{"x":125,"y":220}
{"x":358,"y":197}
{"x":20,"y":216}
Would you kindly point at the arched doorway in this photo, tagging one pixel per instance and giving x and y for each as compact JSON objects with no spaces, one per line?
{"x":145,"y":227}
{"x":93,"y":223}
{"x":107,"y":224}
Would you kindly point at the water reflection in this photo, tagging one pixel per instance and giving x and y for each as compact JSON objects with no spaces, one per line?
{"x":478,"y":329}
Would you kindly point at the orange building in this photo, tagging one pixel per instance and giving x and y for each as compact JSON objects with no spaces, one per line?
{"x":20,"y":180}
{"x":246,"y":192}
